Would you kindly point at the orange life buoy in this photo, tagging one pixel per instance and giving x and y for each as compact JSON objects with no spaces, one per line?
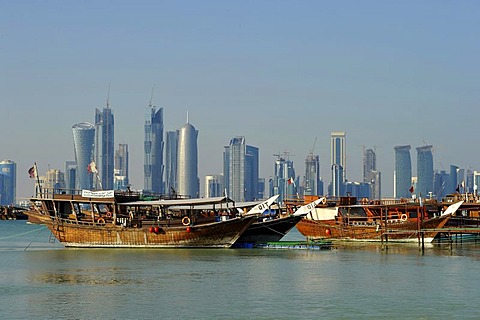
{"x":101,"y":221}
{"x":185,"y":221}
{"x":109,"y":214}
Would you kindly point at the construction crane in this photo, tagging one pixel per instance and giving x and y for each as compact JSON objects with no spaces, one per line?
{"x":285,"y":156}
{"x":151,"y":98}
{"x":314,"y":143}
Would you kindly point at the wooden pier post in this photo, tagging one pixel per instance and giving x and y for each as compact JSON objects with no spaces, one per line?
{"x":423,"y":242}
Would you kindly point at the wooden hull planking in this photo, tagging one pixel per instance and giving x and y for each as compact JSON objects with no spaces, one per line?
{"x":403,"y":231}
{"x":88,"y":235}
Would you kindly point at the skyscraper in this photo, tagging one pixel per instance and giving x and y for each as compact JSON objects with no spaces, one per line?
{"x":8,"y":182}
{"x":476,"y":182}
{"x":284,"y":179}
{"x":70,"y":176}
{"x":121,"y":160}
{"x":440,"y":181}
{"x":121,"y":167}
{"x":171,"y":155}
{"x":83,"y":142}
{"x":261,"y":188}
{"x":313,"y":184}
{"x":337,"y":187}
{"x":241,"y":163}
{"x":214,"y":186}
{"x":452,"y":179}
{"x":369,"y":163}
{"x":338,"y":162}
{"x":153,"y":147}
{"x":104,"y":146}
{"x":251,"y":172}
{"x":54,"y":180}
{"x":424,"y":171}
{"x":234,"y":168}
{"x":370,"y":173}
{"x":403,"y":172}
{"x":338,"y":151}
{"x":187,"y":168}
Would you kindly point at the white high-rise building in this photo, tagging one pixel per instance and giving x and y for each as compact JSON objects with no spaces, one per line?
{"x":338,"y":162}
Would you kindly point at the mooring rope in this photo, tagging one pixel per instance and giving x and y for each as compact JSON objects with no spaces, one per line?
{"x":40,"y":231}
{"x":24,"y":233}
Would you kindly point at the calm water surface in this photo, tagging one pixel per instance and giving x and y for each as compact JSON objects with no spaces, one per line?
{"x":43,"y":280}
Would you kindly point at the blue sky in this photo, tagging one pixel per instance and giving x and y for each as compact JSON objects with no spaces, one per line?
{"x":280,"y":73}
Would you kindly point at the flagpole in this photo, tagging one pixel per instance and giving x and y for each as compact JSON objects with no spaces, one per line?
{"x":98,"y":179}
{"x":37,"y":180}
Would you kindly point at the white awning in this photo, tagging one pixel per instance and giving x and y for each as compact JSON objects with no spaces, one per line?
{"x":188,"y":203}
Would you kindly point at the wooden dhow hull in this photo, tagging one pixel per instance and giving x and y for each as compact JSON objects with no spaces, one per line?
{"x":399,"y":231}
{"x":79,"y":234}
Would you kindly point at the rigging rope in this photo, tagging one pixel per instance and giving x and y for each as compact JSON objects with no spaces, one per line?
{"x":24,"y":233}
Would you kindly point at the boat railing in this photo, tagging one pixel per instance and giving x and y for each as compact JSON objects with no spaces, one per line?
{"x":466,"y":197}
{"x":48,"y":193}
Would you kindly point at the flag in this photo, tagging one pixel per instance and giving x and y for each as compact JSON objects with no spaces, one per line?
{"x":411,"y":189}
{"x":290,"y":181}
{"x":458,"y":188}
{"x":92,"y":168}
{"x":32,"y":172}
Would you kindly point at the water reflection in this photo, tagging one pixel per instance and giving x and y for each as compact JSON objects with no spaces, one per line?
{"x":358,"y":280}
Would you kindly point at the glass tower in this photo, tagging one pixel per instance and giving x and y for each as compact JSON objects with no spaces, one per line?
{"x":403,"y":172}
{"x":83,"y":142}
{"x":153,"y":148}
{"x":241,"y":167}
{"x":424,"y":170}
{"x":171,"y":152}
{"x":284,"y":179}
{"x":234,"y":168}
{"x":104,"y":146}
{"x":251,"y":173}
{"x":121,"y":167}
{"x":370,"y":174}
{"x":338,"y":162}
{"x":313,"y":184}
{"x":70,"y":175}
{"x":8,"y":182}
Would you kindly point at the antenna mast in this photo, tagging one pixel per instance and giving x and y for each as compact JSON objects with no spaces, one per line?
{"x":108,"y":96}
{"x":151,"y":97}
{"x":314,"y":143}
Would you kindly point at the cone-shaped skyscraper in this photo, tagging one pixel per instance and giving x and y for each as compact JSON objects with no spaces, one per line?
{"x":187,"y":166}
{"x":83,"y":141}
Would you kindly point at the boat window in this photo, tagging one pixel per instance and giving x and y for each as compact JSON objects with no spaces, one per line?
{"x":64,"y":208}
{"x":103,"y":208}
{"x":358,"y":212}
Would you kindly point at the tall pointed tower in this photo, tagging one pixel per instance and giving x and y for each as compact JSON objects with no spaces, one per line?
{"x":153,"y":148}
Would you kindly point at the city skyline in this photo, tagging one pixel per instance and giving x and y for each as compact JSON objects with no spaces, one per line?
{"x":424,"y":179}
{"x":281,"y":74}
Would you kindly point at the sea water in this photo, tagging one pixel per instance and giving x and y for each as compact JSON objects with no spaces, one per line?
{"x":42,"y":280}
